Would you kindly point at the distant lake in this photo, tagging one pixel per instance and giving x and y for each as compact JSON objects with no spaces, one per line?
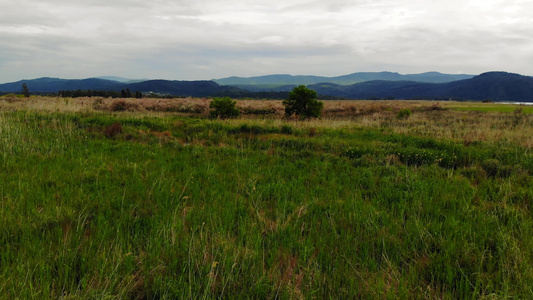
{"x":516,"y":103}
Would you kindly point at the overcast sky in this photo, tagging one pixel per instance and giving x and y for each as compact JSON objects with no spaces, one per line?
{"x":206,"y":39}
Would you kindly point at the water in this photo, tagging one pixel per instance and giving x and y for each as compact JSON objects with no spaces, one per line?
{"x":516,"y":103}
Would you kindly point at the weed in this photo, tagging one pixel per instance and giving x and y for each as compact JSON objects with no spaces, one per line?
{"x":435,"y":106}
{"x":494,"y":168}
{"x":124,"y":105}
{"x":113,"y":130}
{"x":312,"y":132}
{"x":404,"y":113}
{"x":286,"y":129}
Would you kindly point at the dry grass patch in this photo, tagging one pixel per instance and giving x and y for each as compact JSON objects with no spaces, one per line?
{"x":430,"y":119}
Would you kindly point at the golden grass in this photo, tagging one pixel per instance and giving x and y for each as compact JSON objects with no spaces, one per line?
{"x":431,"y":119}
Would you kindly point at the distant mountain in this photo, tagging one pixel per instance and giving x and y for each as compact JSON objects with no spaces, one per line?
{"x":275,"y":82}
{"x":265,"y":87}
{"x":47,"y":85}
{"x":271,"y":80}
{"x":183,"y":88}
{"x":363,"y":90}
{"x":177,"y":88}
{"x":497,"y":86}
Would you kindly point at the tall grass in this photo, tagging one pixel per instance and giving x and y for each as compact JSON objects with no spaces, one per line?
{"x":181,"y":207}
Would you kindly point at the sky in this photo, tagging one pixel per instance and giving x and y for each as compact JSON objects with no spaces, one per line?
{"x":207,"y":39}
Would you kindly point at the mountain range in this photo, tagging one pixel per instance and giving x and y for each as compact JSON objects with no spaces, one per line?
{"x":180,"y":88}
{"x":283,"y":82}
{"x":497,"y":86}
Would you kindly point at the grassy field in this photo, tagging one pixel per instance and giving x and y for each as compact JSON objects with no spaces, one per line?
{"x":146,"y":199}
{"x":491,"y":107}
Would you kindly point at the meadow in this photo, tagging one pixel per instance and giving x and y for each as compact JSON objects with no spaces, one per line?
{"x":149,"y":199}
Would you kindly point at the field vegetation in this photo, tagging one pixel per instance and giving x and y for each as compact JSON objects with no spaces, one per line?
{"x":151,"y":198}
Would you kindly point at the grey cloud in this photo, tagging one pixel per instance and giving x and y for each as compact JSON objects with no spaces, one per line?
{"x":207,"y":39}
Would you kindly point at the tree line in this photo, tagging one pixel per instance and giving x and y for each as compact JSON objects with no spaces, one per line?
{"x":124,"y":93}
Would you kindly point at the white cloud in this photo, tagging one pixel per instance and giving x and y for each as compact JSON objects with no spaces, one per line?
{"x":208,"y":39}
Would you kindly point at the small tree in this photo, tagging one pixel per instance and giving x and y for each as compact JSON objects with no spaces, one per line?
{"x":302,"y":102}
{"x":25,"y":91}
{"x":224,"y":108}
{"x":125,"y":93}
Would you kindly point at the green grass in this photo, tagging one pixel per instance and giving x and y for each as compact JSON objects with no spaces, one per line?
{"x":177,"y":207}
{"x":494,"y":107}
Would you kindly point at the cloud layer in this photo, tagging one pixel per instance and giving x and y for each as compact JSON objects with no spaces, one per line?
{"x":207,"y":39}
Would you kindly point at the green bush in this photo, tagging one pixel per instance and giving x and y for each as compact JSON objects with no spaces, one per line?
{"x":123,"y":105}
{"x":286,"y":129}
{"x":223,"y":108}
{"x":303,"y":103}
{"x":404,"y":113}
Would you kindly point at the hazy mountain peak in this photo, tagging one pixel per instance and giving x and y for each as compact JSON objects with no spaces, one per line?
{"x":276,"y":81}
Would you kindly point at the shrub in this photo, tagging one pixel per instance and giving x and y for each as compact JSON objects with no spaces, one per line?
{"x":286,"y":129}
{"x":302,"y":102}
{"x":518,"y":117}
{"x":474,"y":173}
{"x":253,"y":129}
{"x":123,"y":105}
{"x":98,"y":103}
{"x":113,"y":130}
{"x":404,"y":113}
{"x":312,"y":132}
{"x":223,"y":108}
{"x":494,"y":168}
{"x":435,"y":106}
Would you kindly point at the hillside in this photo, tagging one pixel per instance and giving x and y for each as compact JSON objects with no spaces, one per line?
{"x":182,"y":88}
{"x":364,"y":90}
{"x":177,"y":88}
{"x":47,"y":85}
{"x":497,"y":86}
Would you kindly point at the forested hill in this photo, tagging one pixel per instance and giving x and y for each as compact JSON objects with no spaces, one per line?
{"x":497,"y":86}
{"x":177,"y":88}
{"x":47,"y":84}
